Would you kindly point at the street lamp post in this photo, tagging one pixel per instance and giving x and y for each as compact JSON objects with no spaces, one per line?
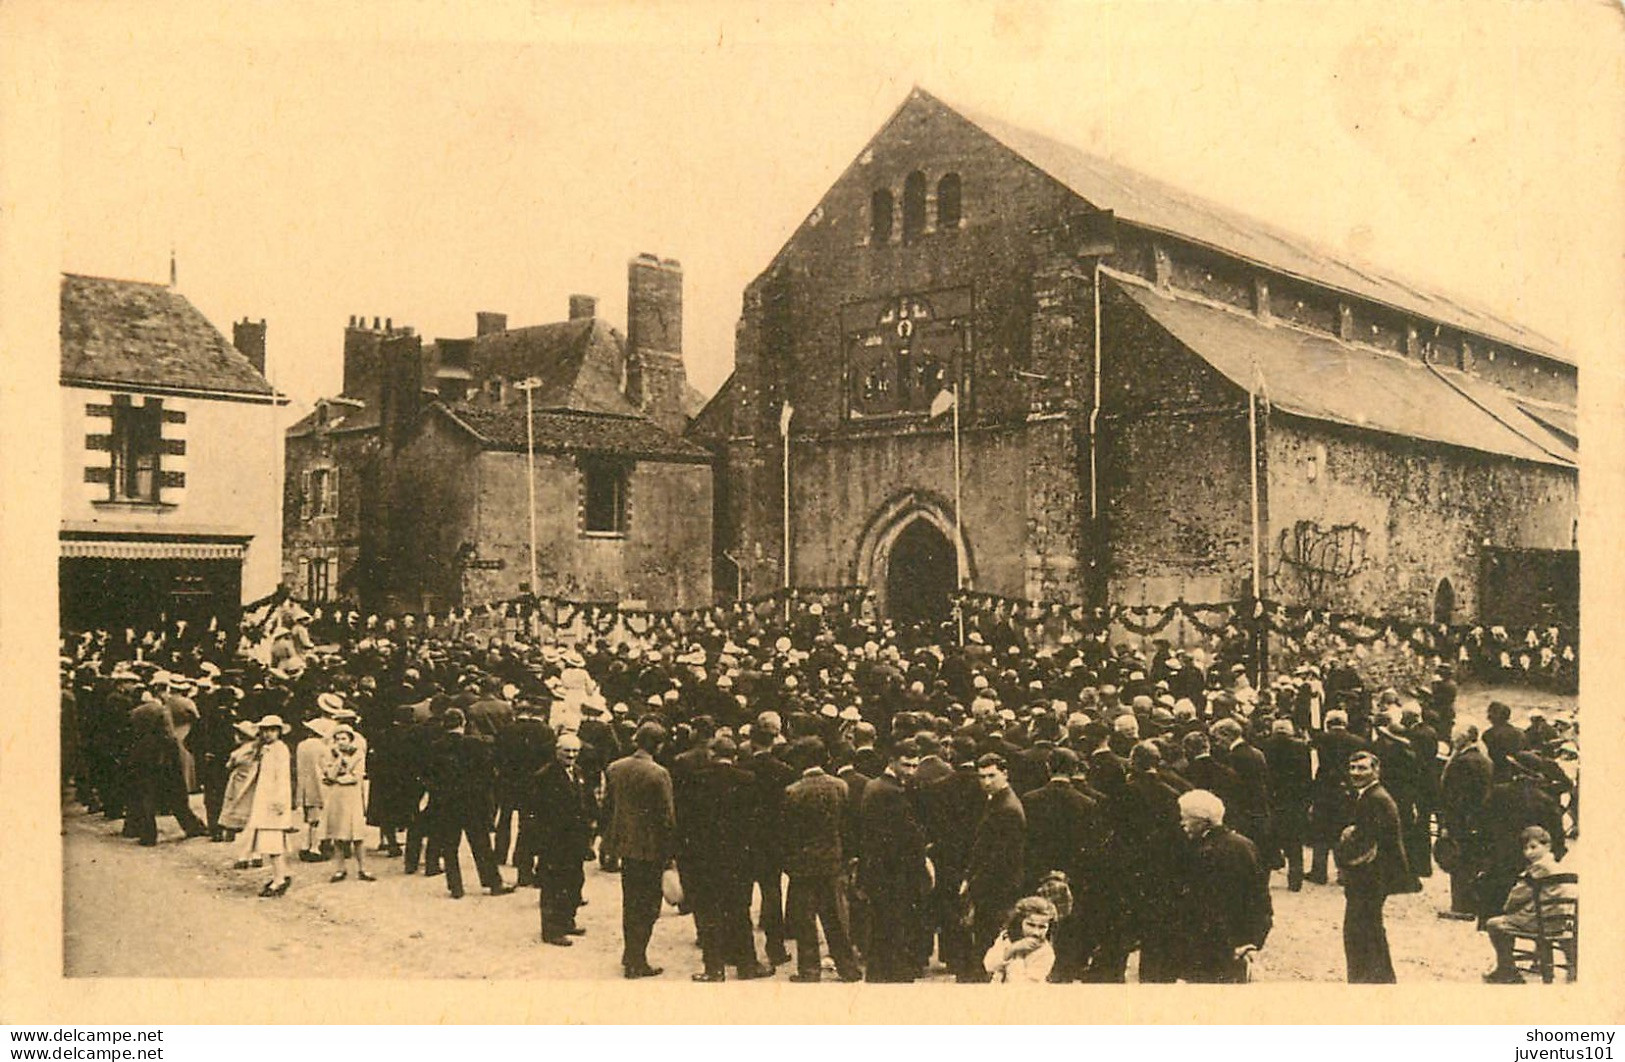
{"x":528,"y":385}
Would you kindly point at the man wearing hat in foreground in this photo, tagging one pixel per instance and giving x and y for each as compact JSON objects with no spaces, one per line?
{"x":154,"y":769}
{"x":460,"y":780}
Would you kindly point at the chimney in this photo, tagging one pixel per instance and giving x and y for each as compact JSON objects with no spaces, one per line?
{"x":363,"y":365}
{"x":656,"y":379}
{"x":401,"y":358}
{"x":583,"y":307}
{"x":249,"y":338}
{"x":487,"y":323}
{"x":453,"y":378}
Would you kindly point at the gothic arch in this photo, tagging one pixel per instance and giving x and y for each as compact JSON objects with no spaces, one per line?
{"x":880,"y":534}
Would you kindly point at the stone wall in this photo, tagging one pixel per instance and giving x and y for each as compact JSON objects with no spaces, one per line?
{"x":663,"y":560}
{"x":1404,"y":515}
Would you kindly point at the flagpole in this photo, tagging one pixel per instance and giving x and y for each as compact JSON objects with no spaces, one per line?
{"x":959,"y":537}
{"x":1259,"y":635}
{"x":784,"y":429}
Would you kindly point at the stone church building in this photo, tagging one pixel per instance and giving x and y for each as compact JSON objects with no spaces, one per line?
{"x":1157,"y":398}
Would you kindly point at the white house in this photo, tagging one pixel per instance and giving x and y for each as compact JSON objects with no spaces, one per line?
{"x":171,"y":454}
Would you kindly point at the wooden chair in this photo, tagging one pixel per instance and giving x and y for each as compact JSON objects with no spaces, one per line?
{"x":1558,"y":930}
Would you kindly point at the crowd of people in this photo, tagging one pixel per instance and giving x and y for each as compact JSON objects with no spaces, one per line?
{"x":1015,"y":813}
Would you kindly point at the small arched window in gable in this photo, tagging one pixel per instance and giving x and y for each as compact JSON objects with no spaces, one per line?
{"x":914,"y":205}
{"x":880,"y":216}
{"x":948,"y":204}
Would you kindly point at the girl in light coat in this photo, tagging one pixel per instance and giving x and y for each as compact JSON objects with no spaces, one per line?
{"x":343,"y":770}
{"x":270,"y":816}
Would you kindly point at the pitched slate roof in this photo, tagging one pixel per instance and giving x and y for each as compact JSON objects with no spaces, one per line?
{"x":1323,"y":379}
{"x":131,"y":332}
{"x":571,"y":431}
{"x":1153,"y":204}
{"x":580,"y":364}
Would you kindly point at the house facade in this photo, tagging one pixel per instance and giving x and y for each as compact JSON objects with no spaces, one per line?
{"x":413,"y":489}
{"x":169,"y":465}
{"x":1157,"y":399}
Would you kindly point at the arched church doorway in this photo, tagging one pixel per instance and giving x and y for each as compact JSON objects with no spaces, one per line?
{"x":921,"y":573}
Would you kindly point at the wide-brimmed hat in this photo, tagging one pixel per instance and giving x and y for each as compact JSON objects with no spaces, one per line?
{"x":330,"y":703}
{"x":269,"y":721}
{"x":246,"y":728}
{"x":321,"y":726}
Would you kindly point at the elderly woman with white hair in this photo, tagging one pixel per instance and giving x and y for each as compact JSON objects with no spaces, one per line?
{"x":1229,"y":914}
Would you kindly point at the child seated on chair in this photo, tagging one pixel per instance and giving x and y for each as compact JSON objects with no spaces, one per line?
{"x":1517,"y":917}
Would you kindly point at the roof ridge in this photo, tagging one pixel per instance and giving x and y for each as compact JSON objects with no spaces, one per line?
{"x":1436,"y":304}
{"x":164,"y":285}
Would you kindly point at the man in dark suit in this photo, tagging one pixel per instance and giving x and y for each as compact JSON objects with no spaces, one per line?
{"x":1248,"y":810}
{"x":523,"y":747}
{"x":1424,"y":741}
{"x":1401,"y":773}
{"x":856,"y":782}
{"x":716,"y":827}
{"x":561,"y":808}
{"x":1228,"y":908}
{"x":892,"y":871}
{"x":1287,"y":755}
{"x":993,"y":876}
{"x":1030,"y":767}
{"x":1204,"y":771}
{"x":814,"y":814}
{"x":1150,"y":856}
{"x":949,"y":809}
{"x":1062,"y":827}
{"x":461,"y":776}
{"x":641,"y":833}
{"x":772,"y":776}
{"x":1463,"y":791}
{"x":1371,"y":855}
{"x":1332,"y":806}
{"x":1501,"y":739}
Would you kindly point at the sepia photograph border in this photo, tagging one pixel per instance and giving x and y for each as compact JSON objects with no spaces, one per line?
{"x":32,"y":986}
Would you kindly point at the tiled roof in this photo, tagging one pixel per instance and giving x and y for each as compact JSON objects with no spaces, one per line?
{"x":127,"y":331}
{"x":561,"y":431}
{"x":343,"y":415}
{"x":1152,"y":204}
{"x":1324,"y":379}
{"x":580,"y":364}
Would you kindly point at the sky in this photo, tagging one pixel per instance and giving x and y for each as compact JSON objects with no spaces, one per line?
{"x":422,"y":163}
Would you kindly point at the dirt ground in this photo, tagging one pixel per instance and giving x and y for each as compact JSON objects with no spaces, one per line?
{"x":179,"y":910}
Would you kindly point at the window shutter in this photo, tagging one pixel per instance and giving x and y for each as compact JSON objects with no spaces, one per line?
{"x":304,"y":495}
{"x":333,"y":490}
{"x":332,"y":578}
